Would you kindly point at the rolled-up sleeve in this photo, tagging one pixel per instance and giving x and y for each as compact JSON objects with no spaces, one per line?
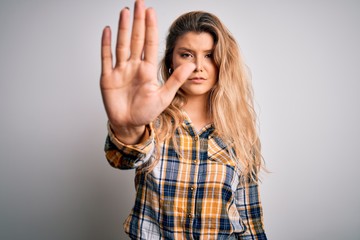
{"x":250,"y":210}
{"x":123,"y":156}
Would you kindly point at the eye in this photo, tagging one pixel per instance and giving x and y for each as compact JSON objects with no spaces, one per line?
{"x":209,"y":55}
{"x":185,"y":55}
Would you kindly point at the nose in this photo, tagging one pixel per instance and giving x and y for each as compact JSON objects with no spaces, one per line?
{"x":199,"y":65}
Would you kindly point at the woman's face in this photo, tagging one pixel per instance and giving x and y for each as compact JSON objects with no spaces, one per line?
{"x":197,"y":48}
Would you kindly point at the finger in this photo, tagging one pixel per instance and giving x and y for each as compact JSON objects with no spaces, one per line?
{"x":175,"y":81}
{"x":151,"y":37}
{"x":138,"y":30}
{"x":106,"y":55}
{"x":123,"y":42}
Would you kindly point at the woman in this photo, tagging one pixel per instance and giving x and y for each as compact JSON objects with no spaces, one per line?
{"x":192,"y":138}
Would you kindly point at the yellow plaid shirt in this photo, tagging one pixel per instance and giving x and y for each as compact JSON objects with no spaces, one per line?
{"x":194,"y":193}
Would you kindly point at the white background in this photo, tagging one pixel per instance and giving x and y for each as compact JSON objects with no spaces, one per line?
{"x":54,"y":180}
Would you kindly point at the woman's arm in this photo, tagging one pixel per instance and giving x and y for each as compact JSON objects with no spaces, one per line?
{"x":250,"y":209}
{"x":123,"y":156}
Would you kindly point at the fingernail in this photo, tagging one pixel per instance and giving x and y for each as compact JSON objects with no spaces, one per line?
{"x":127,"y":8}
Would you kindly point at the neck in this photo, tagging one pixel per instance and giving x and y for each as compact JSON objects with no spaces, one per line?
{"x":197,"y":110}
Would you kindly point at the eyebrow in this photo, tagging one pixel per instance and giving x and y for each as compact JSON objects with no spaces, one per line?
{"x":190,"y":50}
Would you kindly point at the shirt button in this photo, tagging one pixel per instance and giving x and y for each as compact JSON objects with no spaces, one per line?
{"x":192,"y":188}
{"x":195,"y":161}
{"x":196,"y":138}
{"x":189,"y":215}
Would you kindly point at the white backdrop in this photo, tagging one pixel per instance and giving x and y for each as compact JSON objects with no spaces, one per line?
{"x":54,"y":180}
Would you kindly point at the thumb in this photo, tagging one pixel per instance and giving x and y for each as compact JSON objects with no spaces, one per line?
{"x":178,"y":78}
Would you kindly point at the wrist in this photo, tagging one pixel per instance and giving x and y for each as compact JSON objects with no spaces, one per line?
{"x":130,"y":135}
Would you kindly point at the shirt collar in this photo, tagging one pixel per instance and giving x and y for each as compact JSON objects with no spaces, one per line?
{"x":188,"y":126}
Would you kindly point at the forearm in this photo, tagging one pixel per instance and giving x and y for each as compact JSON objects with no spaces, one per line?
{"x":127,"y":156}
{"x":250,"y":210}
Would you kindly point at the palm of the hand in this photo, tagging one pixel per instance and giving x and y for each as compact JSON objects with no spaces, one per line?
{"x":131,"y":94}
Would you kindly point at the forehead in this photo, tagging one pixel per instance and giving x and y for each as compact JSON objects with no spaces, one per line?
{"x":195,"y":41}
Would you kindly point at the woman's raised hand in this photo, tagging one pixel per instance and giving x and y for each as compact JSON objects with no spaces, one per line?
{"x":131,"y":93}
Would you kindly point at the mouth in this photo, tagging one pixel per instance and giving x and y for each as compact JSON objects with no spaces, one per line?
{"x":197,"y":79}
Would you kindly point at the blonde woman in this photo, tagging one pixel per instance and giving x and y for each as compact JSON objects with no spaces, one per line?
{"x":192,"y":138}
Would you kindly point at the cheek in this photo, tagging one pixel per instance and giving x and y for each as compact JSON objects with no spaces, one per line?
{"x":213,"y":70}
{"x":176,"y":62}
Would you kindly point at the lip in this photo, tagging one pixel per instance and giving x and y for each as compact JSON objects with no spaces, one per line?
{"x":197,"y":79}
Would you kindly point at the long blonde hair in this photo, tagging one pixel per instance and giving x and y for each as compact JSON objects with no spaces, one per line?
{"x":231,"y":99}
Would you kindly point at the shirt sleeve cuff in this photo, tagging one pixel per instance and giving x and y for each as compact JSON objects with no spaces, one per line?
{"x":144,"y":147}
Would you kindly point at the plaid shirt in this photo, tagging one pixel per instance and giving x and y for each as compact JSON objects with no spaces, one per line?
{"x":192,"y":195}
